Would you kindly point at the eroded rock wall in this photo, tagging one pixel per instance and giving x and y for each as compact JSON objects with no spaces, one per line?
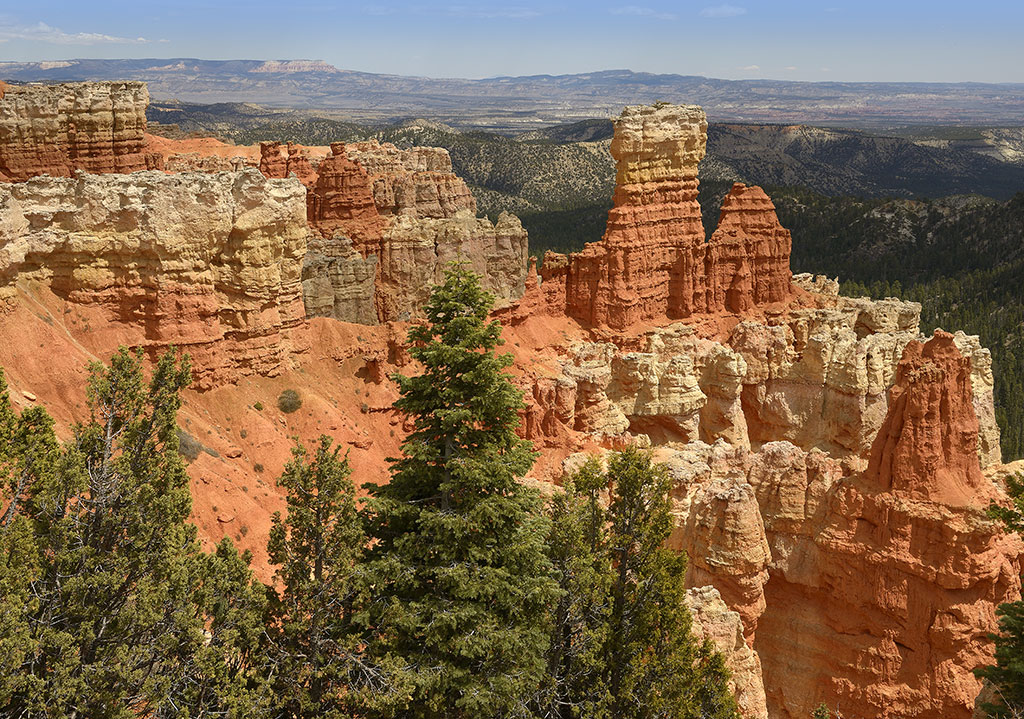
{"x":408,"y":215}
{"x":209,"y":263}
{"x":831,"y":485}
{"x":97,"y":127}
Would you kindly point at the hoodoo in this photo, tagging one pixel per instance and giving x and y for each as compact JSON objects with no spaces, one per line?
{"x":395,"y":217}
{"x":653,"y":262}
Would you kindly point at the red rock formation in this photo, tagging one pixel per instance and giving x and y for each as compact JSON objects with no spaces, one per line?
{"x":747,"y":258}
{"x":341,"y":202}
{"x":278,"y":161}
{"x":928,"y":446}
{"x":418,"y":182}
{"x":97,"y":127}
{"x":653,"y":261}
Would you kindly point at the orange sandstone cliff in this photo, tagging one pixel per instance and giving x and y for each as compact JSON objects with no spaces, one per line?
{"x":831,"y":465}
{"x":386,"y":222}
{"x":57,"y":129}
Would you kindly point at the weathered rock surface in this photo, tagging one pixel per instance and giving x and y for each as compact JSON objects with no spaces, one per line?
{"x":206,"y":262}
{"x":408,"y":215}
{"x":834,"y":497}
{"x":714,"y":621}
{"x":653,"y":261}
{"x":831,"y":466}
{"x":55,"y":130}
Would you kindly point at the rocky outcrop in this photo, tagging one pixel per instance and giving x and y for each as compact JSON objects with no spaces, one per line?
{"x":653,"y":261}
{"x":57,"y":129}
{"x":340,"y":200}
{"x":927,"y":448}
{"x":277,"y":160}
{"x":715,"y":622}
{"x":418,"y":182}
{"x":407,"y":215}
{"x":207,"y":262}
{"x":832,"y":469}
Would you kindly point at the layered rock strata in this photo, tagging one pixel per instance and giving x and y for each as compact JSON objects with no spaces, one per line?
{"x":653,"y":261}
{"x":209,"y":263}
{"x":97,"y":127}
{"x":830,"y":485}
{"x":401,"y":215}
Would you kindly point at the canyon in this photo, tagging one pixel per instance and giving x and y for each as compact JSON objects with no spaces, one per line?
{"x":832,"y":466}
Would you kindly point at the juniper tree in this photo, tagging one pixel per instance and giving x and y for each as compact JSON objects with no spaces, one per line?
{"x":320,"y":667}
{"x":459,"y":576}
{"x":622,"y":644}
{"x":108,"y":606}
{"x":576,"y":685}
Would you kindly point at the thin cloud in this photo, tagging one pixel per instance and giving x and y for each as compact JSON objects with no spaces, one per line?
{"x":790,"y":68}
{"x":750,"y":68}
{"x":511,"y":12}
{"x":637,"y":11}
{"x":41,"y":32}
{"x":723,"y":11}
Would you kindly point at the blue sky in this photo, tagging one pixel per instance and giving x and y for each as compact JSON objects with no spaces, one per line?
{"x":828,"y":40}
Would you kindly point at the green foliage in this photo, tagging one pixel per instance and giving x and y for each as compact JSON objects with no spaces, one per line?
{"x":821,"y":712}
{"x":622,"y":644}
{"x":258,"y":406}
{"x":109,"y":608}
{"x":317,"y":649}
{"x":289,"y":401}
{"x":1007,"y":674}
{"x":458,"y":577}
{"x":578,"y":546}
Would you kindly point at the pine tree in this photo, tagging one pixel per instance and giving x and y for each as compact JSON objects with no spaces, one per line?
{"x":319,"y":662}
{"x":650,"y":665}
{"x":1006,"y":676}
{"x":579,"y":552}
{"x":458,"y":570}
{"x":117,"y":612}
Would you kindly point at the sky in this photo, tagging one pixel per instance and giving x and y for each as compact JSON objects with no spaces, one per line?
{"x":869,"y":40}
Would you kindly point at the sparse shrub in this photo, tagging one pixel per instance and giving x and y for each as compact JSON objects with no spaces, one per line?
{"x":364,"y":408}
{"x":243,"y":434}
{"x":258,"y":406}
{"x":243,"y":530}
{"x":188,"y":446}
{"x":258,"y":468}
{"x":289,"y":401}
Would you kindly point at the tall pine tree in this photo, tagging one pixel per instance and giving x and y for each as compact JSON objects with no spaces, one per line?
{"x":319,"y":661}
{"x":459,"y":577}
{"x":622,"y":643}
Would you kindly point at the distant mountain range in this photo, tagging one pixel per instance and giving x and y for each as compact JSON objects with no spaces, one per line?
{"x":525,"y":103}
